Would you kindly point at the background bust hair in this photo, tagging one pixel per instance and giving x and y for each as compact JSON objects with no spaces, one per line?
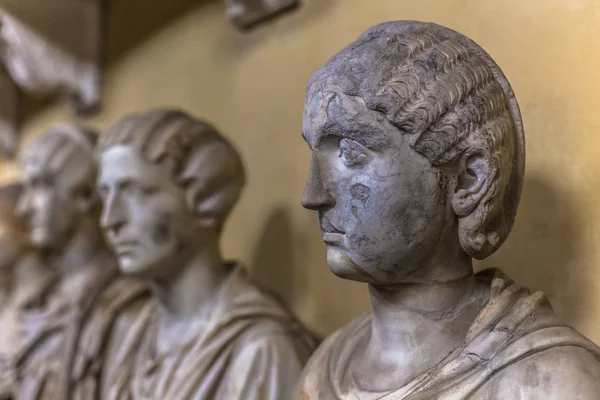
{"x":65,"y":151}
{"x":450,"y":97}
{"x":199,"y":158}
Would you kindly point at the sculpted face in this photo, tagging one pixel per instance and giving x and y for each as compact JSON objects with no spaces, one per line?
{"x":145,"y":216}
{"x":48,"y":206}
{"x":381,"y":206}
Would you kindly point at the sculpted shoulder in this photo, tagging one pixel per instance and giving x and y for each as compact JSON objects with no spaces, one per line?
{"x":266,"y":363}
{"x":331,"y":356}
{"x":567,"y":372}
{"x":312,"y":376}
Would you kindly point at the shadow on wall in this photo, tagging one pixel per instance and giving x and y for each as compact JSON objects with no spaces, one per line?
{"x":289,"y":261}
{"x":542,"y":250}
{"x":273,"y":263}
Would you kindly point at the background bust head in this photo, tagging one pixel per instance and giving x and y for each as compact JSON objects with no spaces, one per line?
{"x":168,"y":182}
{"x":60,"y":173}
{"x":13,"y":238}
{"x":417,"y":146}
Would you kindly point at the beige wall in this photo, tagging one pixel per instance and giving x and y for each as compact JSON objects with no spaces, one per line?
{"x":252,"y":87}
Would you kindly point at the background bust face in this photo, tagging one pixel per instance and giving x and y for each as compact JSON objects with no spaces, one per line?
{"x":145,"y":216}
{"x":380,"y":205}
{"x":48,"y":206}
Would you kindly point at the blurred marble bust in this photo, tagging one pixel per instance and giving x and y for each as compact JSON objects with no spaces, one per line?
{"x":61,"y":210}
{"x":417,"y":167}
{"x":21,"y":270}
{"x":22,"y":276}
{"x":52,"y":47}
{"x":168,"y":182}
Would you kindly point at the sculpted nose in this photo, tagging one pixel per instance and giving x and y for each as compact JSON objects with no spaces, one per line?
{"x":113,"y":216}
{"x":316,"y":197}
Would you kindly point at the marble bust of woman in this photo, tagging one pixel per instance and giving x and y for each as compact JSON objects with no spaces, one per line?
{"x":168,"y":183}
{"x":417,"y":168}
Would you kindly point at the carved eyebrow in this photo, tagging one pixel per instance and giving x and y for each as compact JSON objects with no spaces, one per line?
{"x":369,"y":135}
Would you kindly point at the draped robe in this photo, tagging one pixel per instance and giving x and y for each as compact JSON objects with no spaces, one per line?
{"x":251,"y":348}
{"x":40,"y":366}
{"x":513,"y":327}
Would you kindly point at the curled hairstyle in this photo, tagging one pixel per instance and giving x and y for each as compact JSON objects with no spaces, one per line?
{"x":450,"y":97}
{"x":180,"y":143}
{"x":67,"y":153}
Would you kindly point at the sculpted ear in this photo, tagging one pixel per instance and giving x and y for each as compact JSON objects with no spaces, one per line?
{"x":473,"y":182}
{"x":477,"y":201}
{"x":211,"y":210}
{"x":206,"y":217}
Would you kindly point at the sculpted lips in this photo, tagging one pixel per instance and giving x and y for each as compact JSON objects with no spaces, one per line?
{"x":327,"y":226}
{"x":124,"y":247}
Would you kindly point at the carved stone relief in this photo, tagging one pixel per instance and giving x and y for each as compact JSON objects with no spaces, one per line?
{"x":246,"y":13}
{"x":417,"y":166}
{"x":52,"y":47}
{"x":21,"y":275}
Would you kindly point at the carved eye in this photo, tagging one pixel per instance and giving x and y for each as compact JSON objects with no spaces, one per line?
{"x":353,"y":153}
{"x":147,"y":190}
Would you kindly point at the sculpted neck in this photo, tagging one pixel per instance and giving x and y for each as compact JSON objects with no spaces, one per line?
{"x":431,"y":300}
{"x":416,"y":323}
{"x":190,"y":292}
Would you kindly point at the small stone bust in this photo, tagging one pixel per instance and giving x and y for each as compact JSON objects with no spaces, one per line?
{"x":168,"y":183}
{"x":417,"y":167}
